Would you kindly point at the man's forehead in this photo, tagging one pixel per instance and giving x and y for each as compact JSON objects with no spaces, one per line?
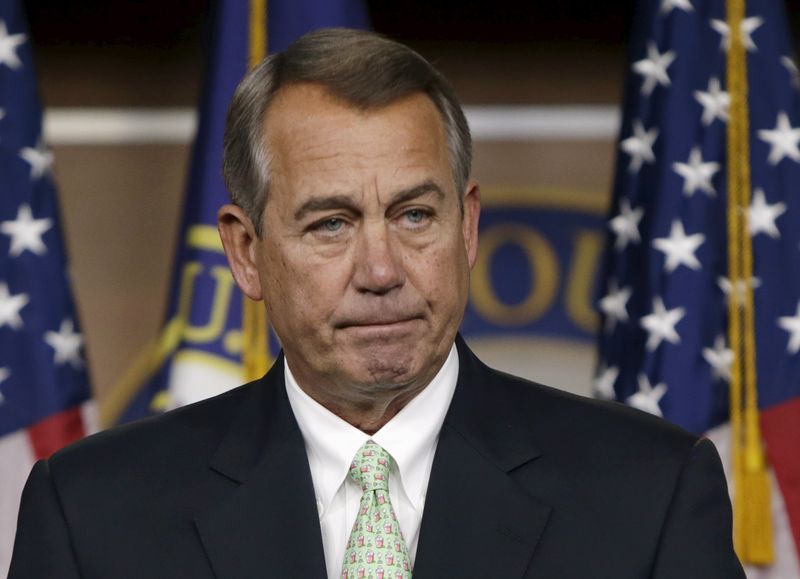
{"x":321,"y":146}
{"x":308,"y":123}
{"x":313,"y":101}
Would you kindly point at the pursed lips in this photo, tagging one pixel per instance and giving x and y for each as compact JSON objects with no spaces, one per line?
{"x":378,"y":322}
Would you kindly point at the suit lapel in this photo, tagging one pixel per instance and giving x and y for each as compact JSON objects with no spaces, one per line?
{"x":478,"y":522}
{"x":267,"y":524}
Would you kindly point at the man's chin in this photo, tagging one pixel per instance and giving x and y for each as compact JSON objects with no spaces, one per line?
{"x":385,"y":358}
{"x":384,"y":369}
{"x":387,"y":373}
{"x":383,"y":334}
{"x":380,"y":347}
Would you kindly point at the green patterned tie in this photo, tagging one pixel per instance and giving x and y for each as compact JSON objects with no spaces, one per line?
{"x":376,"y":549}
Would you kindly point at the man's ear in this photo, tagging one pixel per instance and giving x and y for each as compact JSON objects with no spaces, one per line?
{"x":469,"y":224}
{"x":241,"y":243}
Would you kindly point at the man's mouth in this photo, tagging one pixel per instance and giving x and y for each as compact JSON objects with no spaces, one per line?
{"x":388,"y":323}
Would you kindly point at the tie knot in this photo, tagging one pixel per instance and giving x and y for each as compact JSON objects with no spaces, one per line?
{"x":370,"y":467}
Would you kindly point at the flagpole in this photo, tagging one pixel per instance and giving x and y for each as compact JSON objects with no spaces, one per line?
{"x":255,"y":352}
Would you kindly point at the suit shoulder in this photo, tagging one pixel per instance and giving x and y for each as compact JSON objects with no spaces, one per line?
{"x":598,"y":429}
{"x":189,"y":432}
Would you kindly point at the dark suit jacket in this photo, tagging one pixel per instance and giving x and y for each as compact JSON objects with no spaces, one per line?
{"x":527,"y":481}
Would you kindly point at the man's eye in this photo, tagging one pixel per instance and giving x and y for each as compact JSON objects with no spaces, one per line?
{"x":416,"y":216}
{"x":332,"y":225}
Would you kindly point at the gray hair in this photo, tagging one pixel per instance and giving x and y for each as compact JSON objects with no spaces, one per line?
{"x":361,"y":68}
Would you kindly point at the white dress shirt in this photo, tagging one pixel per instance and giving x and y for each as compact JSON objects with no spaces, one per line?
{"x":410,"y":438}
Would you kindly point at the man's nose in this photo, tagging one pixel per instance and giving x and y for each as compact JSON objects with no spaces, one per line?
{"x":378,"y":263}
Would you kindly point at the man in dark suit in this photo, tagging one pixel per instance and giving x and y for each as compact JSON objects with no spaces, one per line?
{"x":377,"y":446}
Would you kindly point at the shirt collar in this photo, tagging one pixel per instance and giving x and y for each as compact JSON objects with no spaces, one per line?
{"x":410,"y":436}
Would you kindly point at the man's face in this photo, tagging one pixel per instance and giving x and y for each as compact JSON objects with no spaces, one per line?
{"x":365,"y":255}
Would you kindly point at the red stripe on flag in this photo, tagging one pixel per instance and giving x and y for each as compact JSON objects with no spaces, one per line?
{"x":781,"y":427}
{"x":56,"y":431}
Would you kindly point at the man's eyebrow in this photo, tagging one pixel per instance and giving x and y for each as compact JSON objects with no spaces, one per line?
{"x":325,"y":204}
{"x":417,"y":191}
{"x":345,"y":202}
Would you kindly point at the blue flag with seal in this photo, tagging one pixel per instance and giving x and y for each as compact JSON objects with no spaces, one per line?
{"x":201,"y":348}
{"x":701,"y":296}
{"x":537,"y":264}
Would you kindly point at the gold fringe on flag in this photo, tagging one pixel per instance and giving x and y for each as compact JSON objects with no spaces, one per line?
{"x":752,"y":518}
{"x":255,"y":344}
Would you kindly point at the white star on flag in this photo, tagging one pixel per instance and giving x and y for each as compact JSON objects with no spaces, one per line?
{"x":613,"y":304}
{"x":660,"y":325}
{"x":792,"y":325}
{"x":26,"y":232}
{"x":654,"y":68}
{"x":604,"y":382}
{"x":720,"y":358}
{"x":668,"y":5}
{"x":715,"y":102}
{"x":2,"y":114}
{"x":697,"y":174}
{"x":679,"y":247}
{"x":10,"y":307}
{"x":8,"y":46}
{"x":640,"y":146}
{"x":626,"y":224}
{"x":791,"y":67}
{"x":4,"y":373}
{"x":39,"y":158}
{"x":648,"y":397}
{"x":761,"y":215}
{"x":66,"y":343}
{"x":727,"y":288}
{"x":746,"y":29}
{"x":783,"y":138}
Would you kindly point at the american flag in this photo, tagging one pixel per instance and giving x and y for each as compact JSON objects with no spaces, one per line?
{"x":663,"y":344}
{"x":44,"y":387}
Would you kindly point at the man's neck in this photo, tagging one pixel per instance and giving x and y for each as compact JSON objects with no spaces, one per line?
{"x":366,"y":407}
{"x":368,"y":416}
